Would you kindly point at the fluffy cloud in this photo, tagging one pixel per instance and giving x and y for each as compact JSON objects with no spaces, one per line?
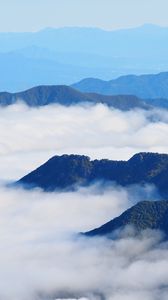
{"x":42,"y":258}
{"x":40,"y":255}
{"x":31,"y":136}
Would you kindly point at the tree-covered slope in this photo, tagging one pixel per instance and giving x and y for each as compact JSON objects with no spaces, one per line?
{"x":144,"y":215}
{"x":66,"y":171}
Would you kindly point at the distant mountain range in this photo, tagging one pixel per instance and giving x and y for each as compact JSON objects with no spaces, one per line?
{"x":21,"y":72}
{"x":145,"y":42}
{"x":64,"y":95}
{"x":144,"y":215}
{"x":67,"y":55}
{"x":68,"y":171}
{"x":144,"y":86}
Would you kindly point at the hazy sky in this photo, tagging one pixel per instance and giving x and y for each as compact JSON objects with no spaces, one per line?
{"x":32,"y":15}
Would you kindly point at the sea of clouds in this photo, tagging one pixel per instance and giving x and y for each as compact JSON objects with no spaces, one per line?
{"x":29,"y":136}
{"x":41,"y":254}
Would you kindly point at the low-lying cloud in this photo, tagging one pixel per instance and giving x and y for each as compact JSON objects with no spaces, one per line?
{"x":30,"y":136}
{"x":41,"y":256}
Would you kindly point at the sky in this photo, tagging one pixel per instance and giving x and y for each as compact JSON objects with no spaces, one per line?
{"x":23,"y":15}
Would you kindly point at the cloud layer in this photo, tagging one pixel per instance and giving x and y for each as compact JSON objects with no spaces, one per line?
{"x":40,"y":255}
{"x":31,"y":136}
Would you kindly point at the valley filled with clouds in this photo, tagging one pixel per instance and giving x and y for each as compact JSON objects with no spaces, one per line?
{"x":42,"y":254}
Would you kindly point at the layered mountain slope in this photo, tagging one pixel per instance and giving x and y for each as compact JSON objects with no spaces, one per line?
{"x":144,"y":215}
{"x":143,"y":86}
{"x":44,"y":95}
{"x":66,"y":171}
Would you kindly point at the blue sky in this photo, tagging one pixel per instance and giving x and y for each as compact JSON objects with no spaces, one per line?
{"x":33,"y":15}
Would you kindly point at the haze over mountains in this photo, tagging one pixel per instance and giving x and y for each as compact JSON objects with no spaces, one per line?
{"x":67,"y":55}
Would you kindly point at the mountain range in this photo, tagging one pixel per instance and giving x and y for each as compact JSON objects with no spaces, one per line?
{"x":143,"y":86}
{"x":22,"y":72}
{"x":65,"y":95}
{"x":69,"y":171}
{"x":77,"y":39}
{"x":66,"y":55}
{"x":142,"y":216}
{"x":124,"y":93}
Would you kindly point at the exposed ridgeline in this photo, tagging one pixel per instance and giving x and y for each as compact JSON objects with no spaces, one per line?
{"x":67,"y":171}
{"x":144,"y":215}
{"x":143,"y":86}
{"x":64,"y":95}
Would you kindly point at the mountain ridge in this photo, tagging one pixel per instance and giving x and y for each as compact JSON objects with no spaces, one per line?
{"x":65,"y":95}
{"x":143,"y":86}
{"x":68,"y":171}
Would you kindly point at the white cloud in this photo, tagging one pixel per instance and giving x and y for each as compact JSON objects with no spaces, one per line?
{"x":40,"y":257}
{"x":31,"y":136}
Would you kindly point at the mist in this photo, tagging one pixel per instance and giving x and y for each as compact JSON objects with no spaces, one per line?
{"x":42,"y":255}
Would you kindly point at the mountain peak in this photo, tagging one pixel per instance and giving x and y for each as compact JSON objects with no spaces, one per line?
{"x":141,"y":156}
